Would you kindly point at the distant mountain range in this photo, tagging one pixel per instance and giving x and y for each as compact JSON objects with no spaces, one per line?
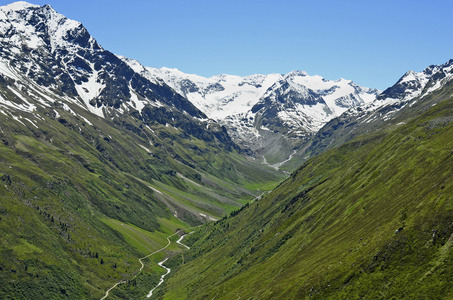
{"x":278,"y":116}
{"x":272,"y":115}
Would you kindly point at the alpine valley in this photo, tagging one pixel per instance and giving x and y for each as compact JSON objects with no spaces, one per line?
{"x":293,"y":186}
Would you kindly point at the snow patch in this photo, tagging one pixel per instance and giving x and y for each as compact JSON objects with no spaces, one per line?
{"x":90,"y":90}
{"x":146,"y":149}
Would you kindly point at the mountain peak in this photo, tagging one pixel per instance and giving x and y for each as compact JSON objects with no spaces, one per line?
{"x":296,"y":73}
{"x":418,"y":84}
{"x":17,"y":6}
{"x":41,"y":45}
{"x":36,"y":26}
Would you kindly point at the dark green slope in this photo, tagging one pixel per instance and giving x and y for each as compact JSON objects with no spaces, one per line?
{"x":65,"y":175}
{"x":371,"y":219}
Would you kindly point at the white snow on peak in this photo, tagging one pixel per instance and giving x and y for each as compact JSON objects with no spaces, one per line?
{"x":338,"y":95}
{"x":409,"y":76}
{"x":420,"y":84}
{"x":59,"y":27}
{"x":17,"y":16}
{"x":140,"y":69}
{"x":314,"y":82}
{"x":19,"y":5}
{"x":297,"y":73}
{"x":221,"y":95}
{"x":226,"y":98}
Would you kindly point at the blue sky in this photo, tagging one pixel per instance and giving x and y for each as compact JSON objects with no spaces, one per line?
{"x":370,"y":42}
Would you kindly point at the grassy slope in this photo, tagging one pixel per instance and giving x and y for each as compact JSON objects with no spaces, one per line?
{"x":52,"y":241}
{"x":62,"y":176}
{"x":329,"y":230}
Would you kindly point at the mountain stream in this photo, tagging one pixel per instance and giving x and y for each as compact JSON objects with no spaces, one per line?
{"x":168,"y":269}
{"x":160,"y":264}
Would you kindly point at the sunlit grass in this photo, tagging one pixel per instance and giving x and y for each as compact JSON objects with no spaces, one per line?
{"x":370,"y":219}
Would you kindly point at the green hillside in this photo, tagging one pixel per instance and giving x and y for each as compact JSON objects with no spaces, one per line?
{"x":371,"y":219}
{"x":82,"y":198}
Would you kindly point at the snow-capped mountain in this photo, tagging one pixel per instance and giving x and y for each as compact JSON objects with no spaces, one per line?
{"x":57,"y":53}
{"x":273,"y":114}
{"x":411,"y":88}
{"x":223,"y":96}
{"x":219,"y":96}
{"x":302,"y":101}
{"x":412,"y":94}
{"x":414,"y":84}
{"x":46,"y":58}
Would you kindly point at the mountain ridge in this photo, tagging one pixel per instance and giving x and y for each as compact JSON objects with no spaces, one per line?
{"x":244,"y":106}
{"x":408,"y":97}
{"x":41,"y":29}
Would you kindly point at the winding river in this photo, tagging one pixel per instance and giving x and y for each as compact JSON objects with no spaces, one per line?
{"x":161,"y":278}
{"x":168,"y":269}
{"x":160,"y":264}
